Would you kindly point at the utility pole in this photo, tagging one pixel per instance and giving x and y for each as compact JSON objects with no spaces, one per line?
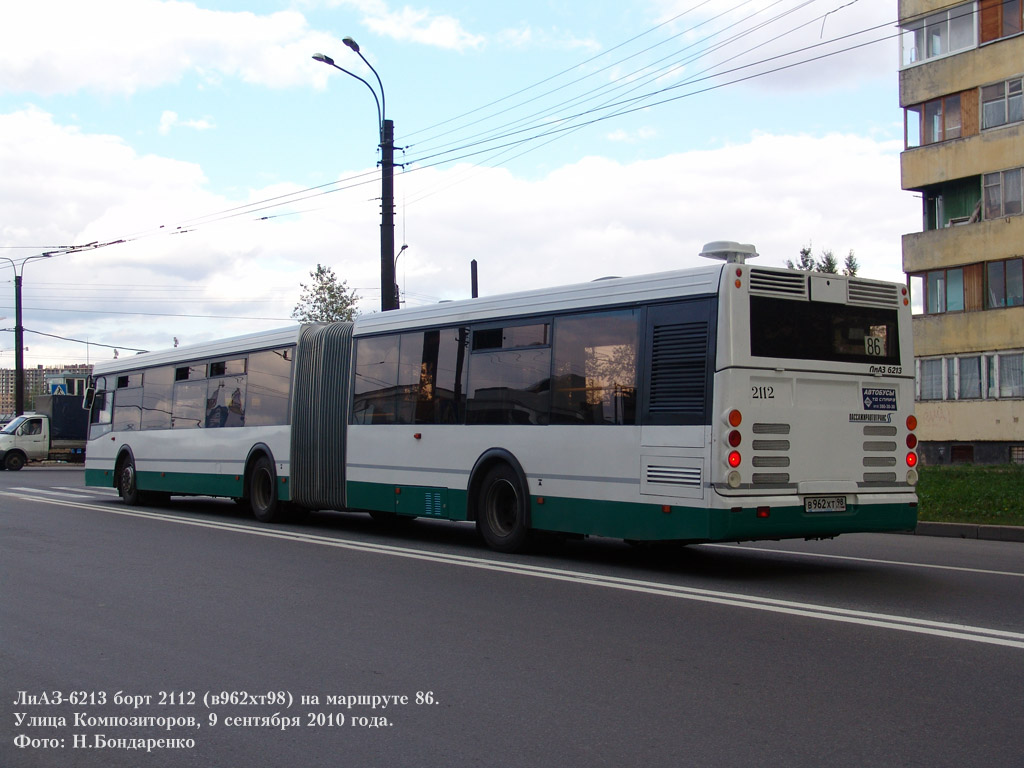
{"x":388,"y":286}
{"x":19,"y":349}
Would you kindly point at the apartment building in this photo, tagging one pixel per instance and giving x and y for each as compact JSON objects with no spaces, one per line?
{"x":961,"y":72}
{"x":40,"y":380}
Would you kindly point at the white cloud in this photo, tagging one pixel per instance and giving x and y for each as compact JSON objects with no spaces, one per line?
{"x":169,"y":120}
{"x":590,"y":219}
{"x":415,"y":25}
{"x":123,"y":46}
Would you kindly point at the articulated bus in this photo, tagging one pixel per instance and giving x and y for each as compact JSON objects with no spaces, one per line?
{"x":723,"y":402}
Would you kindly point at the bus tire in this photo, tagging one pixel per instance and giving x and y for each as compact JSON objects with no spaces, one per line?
{"x":127,"y":482}
{"x":14,"y":461}
{"x":262,"y":493}
{"x":502,"y":509}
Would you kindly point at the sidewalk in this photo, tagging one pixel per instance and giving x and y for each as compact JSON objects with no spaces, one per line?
{"x":970,"y":531}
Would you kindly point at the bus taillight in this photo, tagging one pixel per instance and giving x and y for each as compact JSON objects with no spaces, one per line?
{"x":735,"y":418}
{"x":734,"y":459}
{"x":911,"y":459}
{"x":911,"y":441}
{"x":911,"y":422}
{"x":735,"y":438}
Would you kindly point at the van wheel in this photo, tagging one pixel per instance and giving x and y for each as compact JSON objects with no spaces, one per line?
{"x":263,"y":492}
{"x":127,"y":483}
{"x":14,"y":461}
{"x":502,"y":510}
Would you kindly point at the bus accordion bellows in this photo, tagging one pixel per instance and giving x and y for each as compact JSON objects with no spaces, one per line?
{"x":722,"y":402}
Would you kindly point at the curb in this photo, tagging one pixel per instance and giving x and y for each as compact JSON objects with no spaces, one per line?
{"x":969,"y":531}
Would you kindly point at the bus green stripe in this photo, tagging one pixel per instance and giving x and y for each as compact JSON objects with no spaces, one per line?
{"x":626,"y":520}
{"x":191,"y":483}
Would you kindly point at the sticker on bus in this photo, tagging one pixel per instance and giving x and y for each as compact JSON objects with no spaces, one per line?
{"x":876,"y":399}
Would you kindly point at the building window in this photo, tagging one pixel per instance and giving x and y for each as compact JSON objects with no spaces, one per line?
{"x":934,"y":121}
{"x":970,"y":378}
{"x":993,"y":376}
{"x":940,"y":34}
{"x":1004,"y":284}
{"x":1011,"y":375}
{"x":1001,"y":18}
{"x":1003,"y":193}
{"x":931,"y":379}
{"x":1002,"y":103}
{"x":945,"y":291}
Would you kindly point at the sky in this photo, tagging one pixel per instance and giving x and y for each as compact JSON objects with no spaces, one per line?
{"x":174,"y":171}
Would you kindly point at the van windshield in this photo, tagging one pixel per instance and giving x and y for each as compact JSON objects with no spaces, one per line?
{"x":12,"y":427}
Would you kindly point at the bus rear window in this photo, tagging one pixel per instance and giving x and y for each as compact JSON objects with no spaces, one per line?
{"x":817,"y":330}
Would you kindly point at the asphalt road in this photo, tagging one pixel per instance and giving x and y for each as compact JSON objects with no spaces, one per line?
{"x":190,"y":635}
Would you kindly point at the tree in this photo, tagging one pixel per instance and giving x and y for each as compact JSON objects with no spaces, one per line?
{"x":828,"y":263}
{"x":806,"y":262}
{"x":851,"y":266}
{"x":325,"y":300}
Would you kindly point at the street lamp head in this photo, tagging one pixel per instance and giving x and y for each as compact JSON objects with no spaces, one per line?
{"x":324,"y":58}
{"x":351,"y":44}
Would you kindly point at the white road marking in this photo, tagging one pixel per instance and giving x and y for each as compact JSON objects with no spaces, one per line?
{"x":866,"y":560}
{"x":788,"y":607}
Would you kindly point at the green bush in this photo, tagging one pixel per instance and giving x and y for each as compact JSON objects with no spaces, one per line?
{"x":965,"y":493}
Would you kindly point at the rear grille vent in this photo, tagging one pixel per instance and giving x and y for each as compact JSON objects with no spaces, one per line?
{"x":880,"y":431}
{"x":771,"y":445}
{"x":879,"y":461}
{"x":879,"y":445}
{"x":771,"y":429}
{"x":770,"y":454}
{"x":778,"y":283}
{"x":771,"y":461}
{"x":875,"y":447}
{"x":874,"y":294}
{"x":682,"y":476}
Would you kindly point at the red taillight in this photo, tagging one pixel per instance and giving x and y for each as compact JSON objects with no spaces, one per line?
{"x":911,"y":459}
{"x":735,"y":438}
{"x":734,"y":458}
{"x":911,"y":441}
{"x":735,"y":418}
{"x":911,"y":422}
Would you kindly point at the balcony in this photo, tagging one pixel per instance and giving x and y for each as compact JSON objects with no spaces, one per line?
{"x":966,"y":244}
{"x":990,"y":63}
{"x":993,"y":150}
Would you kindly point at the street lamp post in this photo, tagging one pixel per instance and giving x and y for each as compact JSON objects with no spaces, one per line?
{"x":19,"y":334}
{"x":388,"y":299}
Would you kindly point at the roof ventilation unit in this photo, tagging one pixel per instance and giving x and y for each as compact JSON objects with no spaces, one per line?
{"x":728,"y":251}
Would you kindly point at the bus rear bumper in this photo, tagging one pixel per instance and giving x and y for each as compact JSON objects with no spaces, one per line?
{"x":788,"y":517}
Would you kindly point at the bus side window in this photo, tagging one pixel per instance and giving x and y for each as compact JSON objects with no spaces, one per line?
{"x":376,"y":382}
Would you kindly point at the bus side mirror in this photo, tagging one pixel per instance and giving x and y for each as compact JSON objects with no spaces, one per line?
{"x":88,"y":397}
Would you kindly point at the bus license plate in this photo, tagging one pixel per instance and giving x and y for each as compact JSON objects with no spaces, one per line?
{"x":825,"y":504}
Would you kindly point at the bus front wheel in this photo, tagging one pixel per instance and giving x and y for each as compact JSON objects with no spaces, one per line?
{"x":127,"y":483}
{"x":263,"y":491}
{"x":502,"y":510}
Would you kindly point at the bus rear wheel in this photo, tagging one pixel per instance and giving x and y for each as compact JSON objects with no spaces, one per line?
{"x":263,"y":492}
{"x":502,"y":510}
